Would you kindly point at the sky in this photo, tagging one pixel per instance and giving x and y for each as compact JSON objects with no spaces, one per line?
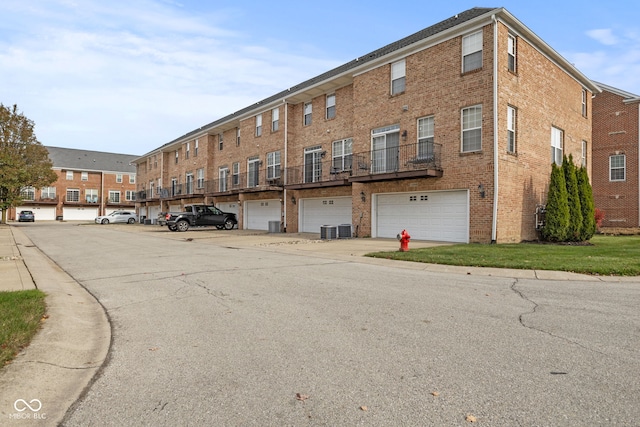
{"x":130,"y":76}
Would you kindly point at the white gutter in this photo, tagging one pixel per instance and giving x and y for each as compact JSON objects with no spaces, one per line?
{"x":494,"y":222}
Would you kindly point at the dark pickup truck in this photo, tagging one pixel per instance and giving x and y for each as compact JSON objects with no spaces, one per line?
{"x":198,"y":216}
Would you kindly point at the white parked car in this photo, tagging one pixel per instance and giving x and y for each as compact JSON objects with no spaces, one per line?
{"x":118,"y":216}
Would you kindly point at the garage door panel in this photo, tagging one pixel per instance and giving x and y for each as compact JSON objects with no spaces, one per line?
{"x":258,"y":213}
{"x":440,"y":216}
{"x":79,"y":214}
{"x":314,"y":213}
{"x":41,"y":213}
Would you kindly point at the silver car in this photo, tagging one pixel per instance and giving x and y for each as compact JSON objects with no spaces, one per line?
{"x":118,"y":216}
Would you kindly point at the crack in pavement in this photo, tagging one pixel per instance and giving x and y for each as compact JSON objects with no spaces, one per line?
{"x":522,"y":295}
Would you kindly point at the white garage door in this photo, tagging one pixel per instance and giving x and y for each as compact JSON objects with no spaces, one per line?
{"x":231,"y":207}
{"x":437,"y":215}
{"x":315,"y":213}
{"x":41,"y":213}
{"x":79,"y":214}
{"x":258,"y":213}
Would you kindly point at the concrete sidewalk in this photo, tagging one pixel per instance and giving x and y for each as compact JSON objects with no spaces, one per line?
{"x":14,"y":275}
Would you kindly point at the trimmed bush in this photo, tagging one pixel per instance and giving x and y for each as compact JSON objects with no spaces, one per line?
{"x":557,"y":210}
{"x":586,"y":204}
{"x":574,"y":230}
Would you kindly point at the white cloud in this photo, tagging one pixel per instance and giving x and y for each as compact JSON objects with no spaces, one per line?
{"x":604,"y":36}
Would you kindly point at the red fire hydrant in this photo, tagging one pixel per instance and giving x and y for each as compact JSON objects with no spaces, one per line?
{"x":404,"y":241}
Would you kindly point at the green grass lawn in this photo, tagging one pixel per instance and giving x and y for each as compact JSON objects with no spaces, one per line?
{"x":21,"y":314}
{"x":606,"y":256}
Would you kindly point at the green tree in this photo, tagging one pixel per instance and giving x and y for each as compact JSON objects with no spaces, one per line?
{"x":574,"y":230}
{"x":586,"y":204}
{"x":24,"y":162}
{"x":557,"y":210}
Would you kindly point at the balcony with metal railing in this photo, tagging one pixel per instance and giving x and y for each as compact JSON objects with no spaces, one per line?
{"x":30,"y":199}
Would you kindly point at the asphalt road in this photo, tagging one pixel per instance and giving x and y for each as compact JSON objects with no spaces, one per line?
{"x":225,"y":335}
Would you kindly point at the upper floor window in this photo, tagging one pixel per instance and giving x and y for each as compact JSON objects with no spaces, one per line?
{"x":223,"y":177}
{"x":583,"y":158}
{"x":155,"y":162}
{"x":398,"y":73}
{"x":237,"y":137}
{"x":253,"y":172}
{"x":119,"y":178}
{"x":511,"y":52}
{"x":220,"y":141}
{"x":273,"y":165}
{"x":472,"y":52}
{"x":275,"y":119}
{"x":73,"y":195}
{"x":584,"y":103}
{"x":308,"y":109}
{"x":114,"y":196}
{"x":617,"y":167}
{"x":69,"y":175}
{"x":425,"y":137}
{"x":48,"y":192}
{"x":511,"y":129}
{"x":342,"y":155}
{"x":557,"y":144}
{"x":472,"y":129}
{"x":177,"y":156}
{"x":188,"y":151}
{"x":331,"y":106}
{"x":195,"y":148}
{"x":28,"y":193}
{"x":200,"y":178}
{"x":259,"y":125}
{"x":235,"y":173}
{"x":132,"y":179}
{"x":84,"y":176}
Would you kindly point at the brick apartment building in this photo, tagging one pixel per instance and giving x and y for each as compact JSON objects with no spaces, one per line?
{"x":615,"y":172}
{"x":448,"y":133}
{"x":90,"y":183}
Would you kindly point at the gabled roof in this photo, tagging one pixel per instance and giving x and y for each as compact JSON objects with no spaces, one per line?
{"x":628,"y":96}
{"x":86,"y":160}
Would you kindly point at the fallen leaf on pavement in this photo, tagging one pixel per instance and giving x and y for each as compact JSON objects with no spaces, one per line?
{"x":435,"y":393}
{"x":301,"y":397}
{"x":364,"y":408}
{"x":471,"y":419}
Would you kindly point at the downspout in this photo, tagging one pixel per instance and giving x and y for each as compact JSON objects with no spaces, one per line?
{"x":494,"y":222}
{"x":638,"y":135}
{"x":102,"y":211}
{"x":286,"y":158}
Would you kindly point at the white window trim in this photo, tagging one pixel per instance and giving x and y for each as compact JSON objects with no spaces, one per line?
{"x":623,"y":167}
{"x":307,"y":106}
{"x":511,"y":52}
{"x":398,"y":72}
{"x":275,"y":119}
{"x":512,"y":117}
{"x":557,"y":145}
{"x":259,"y":125}
{"x":471,"y":45}
{"x":470,"y":128}
{"x":330,"y":102}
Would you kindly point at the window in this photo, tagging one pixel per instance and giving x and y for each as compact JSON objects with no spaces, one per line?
{"x":342,"y":157}
{"x":220,"y":141}
{"x":114,"y":196}
{"x":84,"y":176}
{"x":275,"y":119}
{"x":511,"y":52}
{"x":159,"y":187}
{"x":472,"y":52}
{"x":132,"y":179}
{"x":69,"y":175}
{"x":308,"y":109}
{"x":253,"y":173}
{"x":259,"y":125}
{"x":189,"y":183}
{"x":91,"y":195}
{"x":235,"y":174}
{"x":584,"y":103}
{"x":385,"y":144}
{"x":425,"y":138}
{"x":73,"y":195}
{"x":237,"y":137}
{"x":331,"y":106}
{"x":48,"y":192}
{"x":617,"y":167}
{"x":151,"y":185}
{"x":118,"y":177}
{"x":28,"y":193}
{"x":472,"y":129}
{"x":312,"y":164}
{"x":583,"y":158}
{"x":177,"y":156}
{"x":511,"y":130}
{"x":130,"y":195}
{"x":273,"y":165}
{"x":398,"y":70}
{"x":155,"y":162}
{"x":200,"y":178}
{"x":223,"y":175}
{"x":557,"y":142}
{"x":187,"y":151}
{"x":195,"y":149}
{"x":174,"y":187}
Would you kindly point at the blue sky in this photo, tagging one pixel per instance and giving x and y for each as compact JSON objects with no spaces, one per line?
{"x":130,"y":76}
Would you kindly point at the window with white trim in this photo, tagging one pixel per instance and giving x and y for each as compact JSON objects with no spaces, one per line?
{"x":308,"y":110}
{"x":511,"y":53}
{"x":235,"y":174}
{"x":237,"y":137}
{"x":584,"y":103}
{"x":132,"y":179}
{"x":557,"y":144}
{"x":425,"y":138}
{"x":472,"y":129}
{"x":617,"y":167}
{"x":114,"y":196}
{"x":273,"y":165}
{"x":188,"y":183}
{"x":130,"y":195}
{"x":200,"y":178}
{"x":472,"y":52}
{"x":253,"y":171}
{"x":119,"y":178}
{"x":398,"y":77}
{"x":223,"y":176}
{"x":48,"y":193}
{"x":275,"y":119}
{"x":220,"y":141}
{"x":331,"y":106}
{"x":511,"y":129}
{"x":28,"y":193}
{"x":195,"y":148}
{"x":91,"y":195}
{"x":342,"y":155}
{"x":188,"y":151}
{"x":69,"y":175}
{"x":73,"y":195}
{"x":177,"y":156}
{"x":84,"y":176}
{"x":313,"y":164}
{"x":583,"y":157}
{"x":259,"y":125}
